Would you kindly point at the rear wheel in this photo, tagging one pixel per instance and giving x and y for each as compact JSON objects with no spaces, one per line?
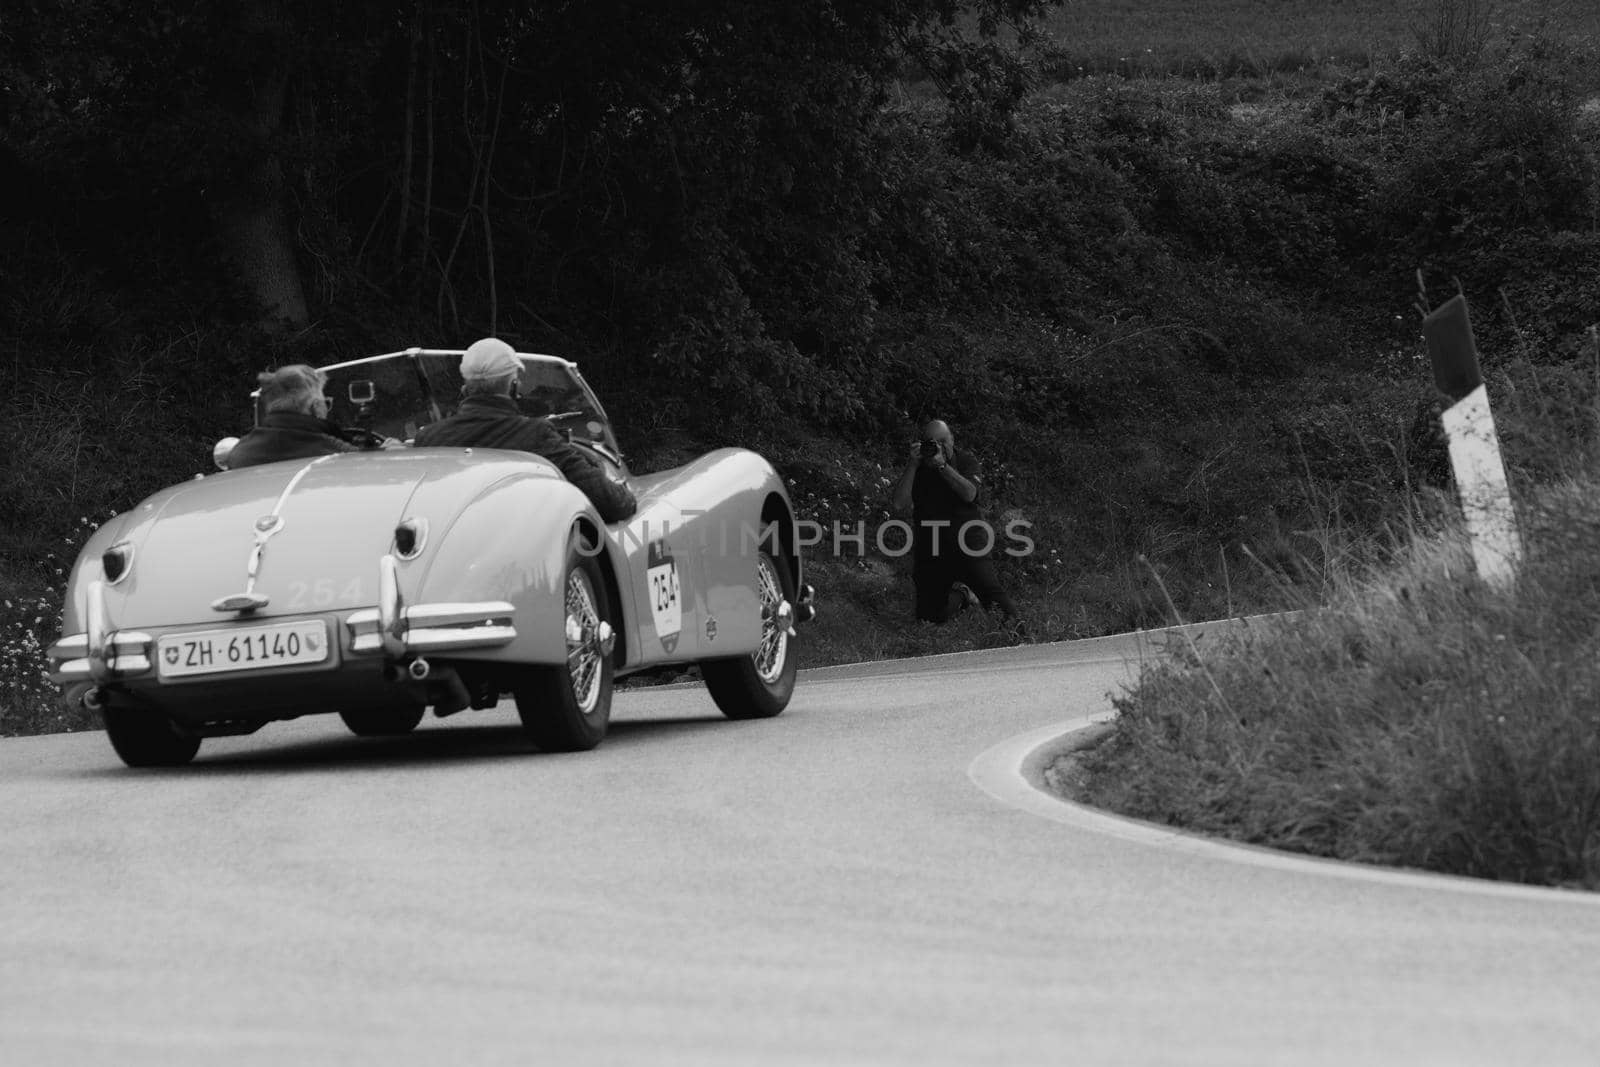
{"x":148,"y":739}
{"x":758,"y":686}
{"x":383,"y":722}
{"x":567,"y":708}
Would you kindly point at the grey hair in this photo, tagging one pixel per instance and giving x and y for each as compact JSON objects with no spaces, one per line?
{"x":295,"y":387}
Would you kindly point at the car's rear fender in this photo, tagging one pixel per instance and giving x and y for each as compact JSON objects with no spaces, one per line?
{"x":722,"y":508}
{"x":507,"y":543}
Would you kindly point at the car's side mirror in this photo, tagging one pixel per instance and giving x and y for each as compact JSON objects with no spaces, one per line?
{"x":362,"y":391}
{"x":222,"y":450}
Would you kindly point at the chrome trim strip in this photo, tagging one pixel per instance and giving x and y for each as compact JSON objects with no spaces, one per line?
{"x":431,"y":627}
{"x":391,"y":611}
{"x":124,"y":652}
{"x":70,"y":647}
{"x":264,"y":530}
{"x":458,"y":614}
{"x":71,"y":669}
{"x":433,"y":639}
{"x":97,"y":627}
{"x":293,"y":482}
{"x":123,"y":665}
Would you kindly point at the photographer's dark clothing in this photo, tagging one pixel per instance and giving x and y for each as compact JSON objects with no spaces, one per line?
{"x":934,"y":501}
{"x":495,"y":422}
{"x":941,"y":555}
{"x":934,"y":578}
{"x":287,"y":435}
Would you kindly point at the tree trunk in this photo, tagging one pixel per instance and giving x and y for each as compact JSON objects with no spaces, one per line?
{"x":251,"y":220}
{"x":257,"y":238}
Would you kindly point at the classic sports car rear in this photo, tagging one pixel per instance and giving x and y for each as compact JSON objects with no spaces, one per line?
{"x":380,"y":584}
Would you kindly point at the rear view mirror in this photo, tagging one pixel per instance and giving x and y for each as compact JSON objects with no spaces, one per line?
{"x":362,"y":391}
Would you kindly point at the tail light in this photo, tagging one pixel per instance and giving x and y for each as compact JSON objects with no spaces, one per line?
{"x":410,"y":537}
{"x":117,"y":561}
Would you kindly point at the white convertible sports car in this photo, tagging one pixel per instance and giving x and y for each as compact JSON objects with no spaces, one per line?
{"x":380,"y":584}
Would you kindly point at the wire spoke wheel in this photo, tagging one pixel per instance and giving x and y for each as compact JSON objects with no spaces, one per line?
{"x":566,"y":706}
{"x":583,"y":652}
{"x":758,"y":685}
{"x":774,"y":650}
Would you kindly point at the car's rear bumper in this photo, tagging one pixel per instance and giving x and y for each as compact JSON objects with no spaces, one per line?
{"x":392,"y":630}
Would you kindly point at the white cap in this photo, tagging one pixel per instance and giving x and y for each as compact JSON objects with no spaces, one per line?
{"x":489,"y":358}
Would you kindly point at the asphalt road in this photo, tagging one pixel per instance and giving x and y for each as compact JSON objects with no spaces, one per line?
{"x":861,"y":880}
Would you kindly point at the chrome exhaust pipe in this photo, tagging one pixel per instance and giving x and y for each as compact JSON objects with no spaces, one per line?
{"x":419,"y":669}
{"x":94,"y":699}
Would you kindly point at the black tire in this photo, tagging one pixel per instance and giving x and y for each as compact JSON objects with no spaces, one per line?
{"x":758,"y":686}
{"x":568,"y":708}
{"x":148,"y":738}
{"x":384,"y":722}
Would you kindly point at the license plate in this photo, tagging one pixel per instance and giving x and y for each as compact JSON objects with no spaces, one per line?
{"x":242,"y":648}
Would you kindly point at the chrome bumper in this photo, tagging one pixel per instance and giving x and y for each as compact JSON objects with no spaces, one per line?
{"x":100,"y":653}
{"x":395,"y":628}
{"x":431,"y":628}
{"x":121,"y":655}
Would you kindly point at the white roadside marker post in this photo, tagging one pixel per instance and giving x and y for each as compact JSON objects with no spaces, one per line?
{"x":1480,"y":473}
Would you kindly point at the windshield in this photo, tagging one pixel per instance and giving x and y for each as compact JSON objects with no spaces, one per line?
{"x":397,"y":394}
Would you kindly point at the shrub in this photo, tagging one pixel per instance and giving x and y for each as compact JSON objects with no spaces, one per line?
{"x":1492,"y":154}
{"x":1420,"y":719}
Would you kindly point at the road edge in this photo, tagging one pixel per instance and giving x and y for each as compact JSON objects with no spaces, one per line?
{"x":1013,"y":772}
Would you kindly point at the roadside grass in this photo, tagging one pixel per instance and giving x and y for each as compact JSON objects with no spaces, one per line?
{"x":1418,"y":718}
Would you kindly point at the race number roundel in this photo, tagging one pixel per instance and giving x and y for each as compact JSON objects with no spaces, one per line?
{"x":665,"y":607}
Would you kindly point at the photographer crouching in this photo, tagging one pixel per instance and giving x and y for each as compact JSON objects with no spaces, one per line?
{"x":940,"y":488}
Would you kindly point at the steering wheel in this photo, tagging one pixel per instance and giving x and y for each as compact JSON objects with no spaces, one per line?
{"x":362,"y":437}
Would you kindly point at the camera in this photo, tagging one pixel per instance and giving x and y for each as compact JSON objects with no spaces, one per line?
{"x":929,"y":448}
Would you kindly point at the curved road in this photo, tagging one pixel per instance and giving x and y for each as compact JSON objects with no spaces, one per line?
{"x":862,"y":880}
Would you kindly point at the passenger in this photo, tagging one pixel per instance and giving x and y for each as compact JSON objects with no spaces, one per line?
{"x":295,"y":424}
{"x":489,"y":418}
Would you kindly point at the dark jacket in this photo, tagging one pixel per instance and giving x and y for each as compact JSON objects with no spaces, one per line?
{"x":495,"y":422}
{"x":934,"y":502}
{"x":287,"y":435}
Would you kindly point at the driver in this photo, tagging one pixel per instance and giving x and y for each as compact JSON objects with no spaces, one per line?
{"x":295,"y":421}
{"x":489,"y":418}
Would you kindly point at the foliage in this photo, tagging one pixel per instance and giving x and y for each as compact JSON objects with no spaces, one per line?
{"x":685,"y":184}
{"x":30,"y":610}
{"x":1479,"y":161}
